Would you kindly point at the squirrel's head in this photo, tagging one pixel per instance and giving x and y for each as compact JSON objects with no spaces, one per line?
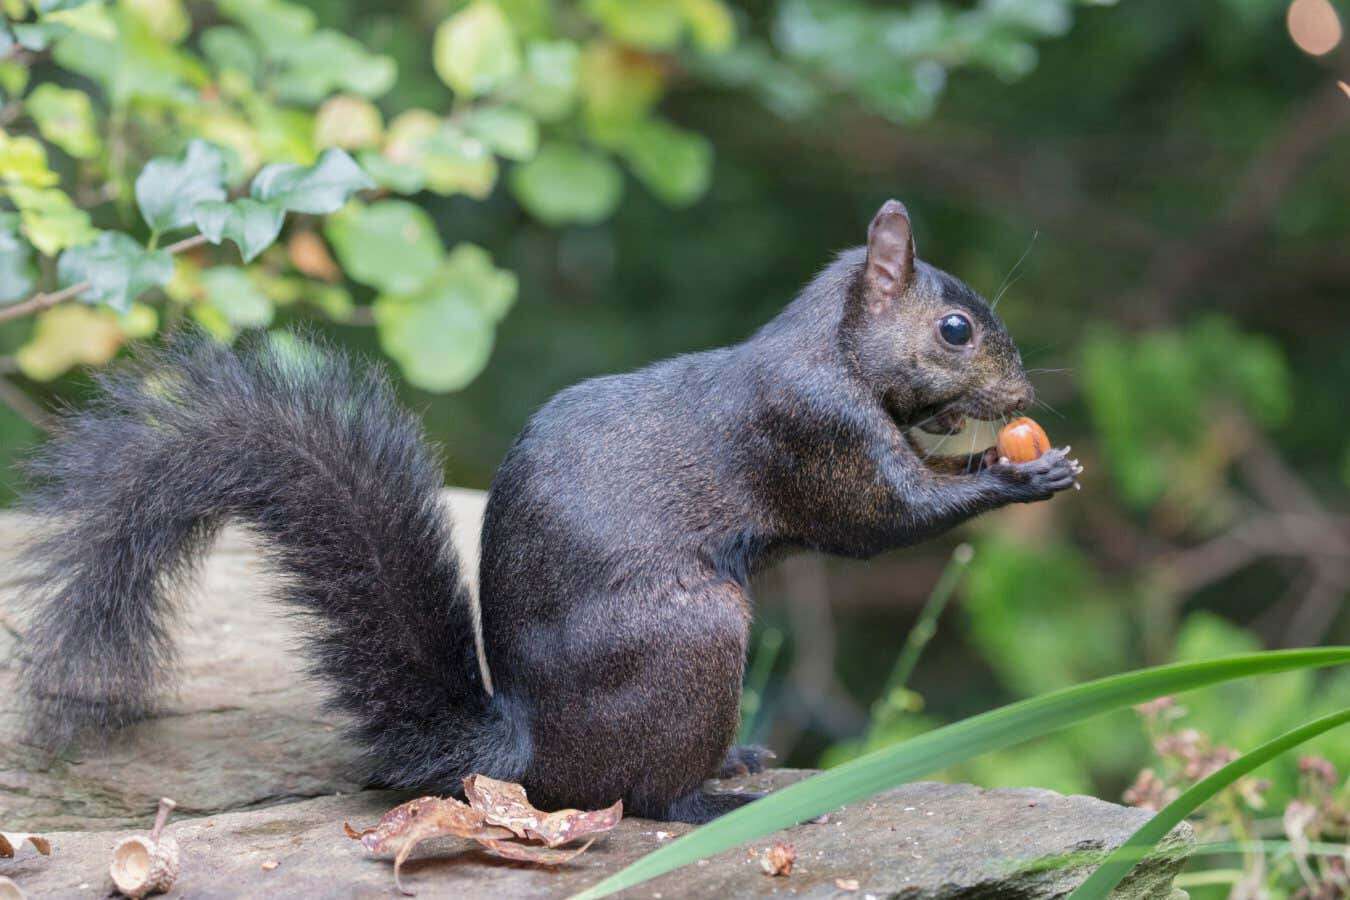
{"x":930,"y":346}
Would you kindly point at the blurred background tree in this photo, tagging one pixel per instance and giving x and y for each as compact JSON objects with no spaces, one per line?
{"x":546,"y":191}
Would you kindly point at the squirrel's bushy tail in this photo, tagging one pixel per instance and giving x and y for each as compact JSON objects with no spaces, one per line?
{"x":316,"y":456}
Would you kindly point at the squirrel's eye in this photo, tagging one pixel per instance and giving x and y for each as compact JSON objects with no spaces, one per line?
{"x":956,"y":329}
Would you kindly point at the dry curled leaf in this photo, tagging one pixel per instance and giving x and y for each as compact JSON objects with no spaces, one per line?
{"x":778,"y":859}
{"x":409,"y":824}
{"x":12,"y":841}
{"x":497,"y":816}
{"x":504,"y":803}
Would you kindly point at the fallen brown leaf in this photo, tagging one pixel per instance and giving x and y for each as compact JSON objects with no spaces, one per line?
{"x":409,"y":824}
{"x":9,"y":843}
{"x":504,"y":803}
{"x":498,"y":816}
{"x":778,"y":859}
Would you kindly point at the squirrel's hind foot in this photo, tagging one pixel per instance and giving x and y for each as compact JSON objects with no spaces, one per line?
{"x":746,"y":759}
{"x":701,"y":807}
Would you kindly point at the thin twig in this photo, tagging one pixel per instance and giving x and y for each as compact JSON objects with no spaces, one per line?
{"x":13,"y":397}
{"x":39,"y":302}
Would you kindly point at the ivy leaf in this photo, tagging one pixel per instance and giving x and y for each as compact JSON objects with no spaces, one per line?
{"x":475,"y":50}
{"x":167,"y":190}
{"x":251,"y":224}
{"x":117,"y":267}
{"x":318,"y":189}
{"x":65,"y":117}
{"x":391,"y":245}
{"x":458,"y":309}
{"x":507,"y":132}
{"x":50,"y":221}
{"x":233,"y":293}
{"x":16,"y":261}
{"x":566,"y":184}
{"x":327,"y":61}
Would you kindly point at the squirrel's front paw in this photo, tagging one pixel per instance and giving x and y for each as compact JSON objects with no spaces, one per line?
{"x":1041,"y":478}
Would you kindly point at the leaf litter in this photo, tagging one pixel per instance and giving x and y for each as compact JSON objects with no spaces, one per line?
{"x":498,"y":816}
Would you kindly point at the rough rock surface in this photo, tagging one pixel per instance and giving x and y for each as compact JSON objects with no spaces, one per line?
{"x":244,"y":742}
{"x":920,"y":842}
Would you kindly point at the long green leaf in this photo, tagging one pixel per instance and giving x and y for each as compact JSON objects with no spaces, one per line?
{"x":1124,"y":857}
{"x":943,"y":747}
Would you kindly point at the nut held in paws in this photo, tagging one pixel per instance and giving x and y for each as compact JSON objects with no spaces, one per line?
{"x":1022,"y":440}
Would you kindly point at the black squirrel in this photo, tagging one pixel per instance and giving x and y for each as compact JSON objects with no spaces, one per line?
{"x":620,"y":534}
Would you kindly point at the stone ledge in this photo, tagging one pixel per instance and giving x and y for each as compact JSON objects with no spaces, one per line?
{"x":923,"y":841}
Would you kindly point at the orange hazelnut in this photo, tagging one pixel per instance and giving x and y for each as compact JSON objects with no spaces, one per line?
{"x":1022,"y":440}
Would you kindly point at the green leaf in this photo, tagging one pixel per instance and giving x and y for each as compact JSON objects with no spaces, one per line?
{"x":475,"y":50}
{"x":442,"y":335}
{"x":230,"y":290}
{"x":168,"y":189}
{"x":711,"y":24}
{"x":230,"y":50}
{"x":66,"y":336}
{"x":508,"y":132}
{"x":117,"y":267}
{"x":16,"y":261}
{"x":455,"y":163}
{"x":133,"y":63}
{"x":567,"y":184}
{"x":651,"y":24}
{"x":675,"y":164}
{"x":318,"y":189}
{"x":275,"y":23}
{"x":65,"y":117}
{"x":348,"y":122}
{"x":23,"y":161}
{"x":548,"y":86}
{"x":329,"y":61}
{"x":397,"y":177}
{"x":1111,"y":872}
{"x":949,"y":745}
{"x":251,"y":224}
{"x":50,"y":221}
{"x":391,"y":245}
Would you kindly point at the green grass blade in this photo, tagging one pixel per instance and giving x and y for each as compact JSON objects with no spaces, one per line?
{"x":943,"y":747}
{"x":1124,"y":857}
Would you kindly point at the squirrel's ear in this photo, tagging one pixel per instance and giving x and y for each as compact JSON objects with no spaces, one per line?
{"x":890,"y":252}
